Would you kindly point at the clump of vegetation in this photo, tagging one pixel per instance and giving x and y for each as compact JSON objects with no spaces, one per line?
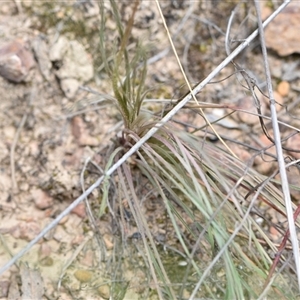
{"x":186,"y":212}
{"x":202,"y":189}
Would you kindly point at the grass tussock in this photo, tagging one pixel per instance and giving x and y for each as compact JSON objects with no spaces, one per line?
{"x":211,"y":199}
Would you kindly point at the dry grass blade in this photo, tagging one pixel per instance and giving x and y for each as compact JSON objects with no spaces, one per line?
{"x":183,"y":175}
{"x":154,"y":259}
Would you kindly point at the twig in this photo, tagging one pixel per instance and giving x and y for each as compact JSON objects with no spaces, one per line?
{"x":263,"y":242}
{"x":277,"y":140}
{"x":227,"y":43}
{"x":280,"y":249}
{"x":145,"y":138}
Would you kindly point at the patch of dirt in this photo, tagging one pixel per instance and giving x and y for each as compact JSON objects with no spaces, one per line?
{"x":47,"y":139}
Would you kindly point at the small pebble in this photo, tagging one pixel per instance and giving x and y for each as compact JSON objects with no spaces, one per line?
{"x":283,"y":88}
{"x":16,"y":60}
{"x":182,"y":263}
{"x":104,"y":291}
{"x":274,"y":233}
{"x":24,"y":186}
{"x":83,"y":275}
{"x":79,"y":210}
{"x":221,"y":273}
{"x":108,"y":242}
{"x":41,"y":199}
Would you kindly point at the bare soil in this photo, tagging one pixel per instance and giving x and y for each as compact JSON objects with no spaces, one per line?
{"x":49,"y":131}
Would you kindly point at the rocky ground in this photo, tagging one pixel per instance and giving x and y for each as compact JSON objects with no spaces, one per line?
{"x":50,"y":122}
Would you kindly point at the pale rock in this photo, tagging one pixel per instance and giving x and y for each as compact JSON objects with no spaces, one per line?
{"x":88,"y":141}
{"x":24,"y":186}
{"x":65,"y":296}
{"x":104,"y":291}
{"x":77,"y":63}
{"x":13,"y":292}
{"x":41,"y":199}
{"x":59,"y":49}
{"x":5,"y":9}
{"x":266,"y":11}
{"x":78,"y":127}
{"x":69,"y":86}
{"x":60,"y":234}
{"x":73,"y":63}
{"x":282,"y":34}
